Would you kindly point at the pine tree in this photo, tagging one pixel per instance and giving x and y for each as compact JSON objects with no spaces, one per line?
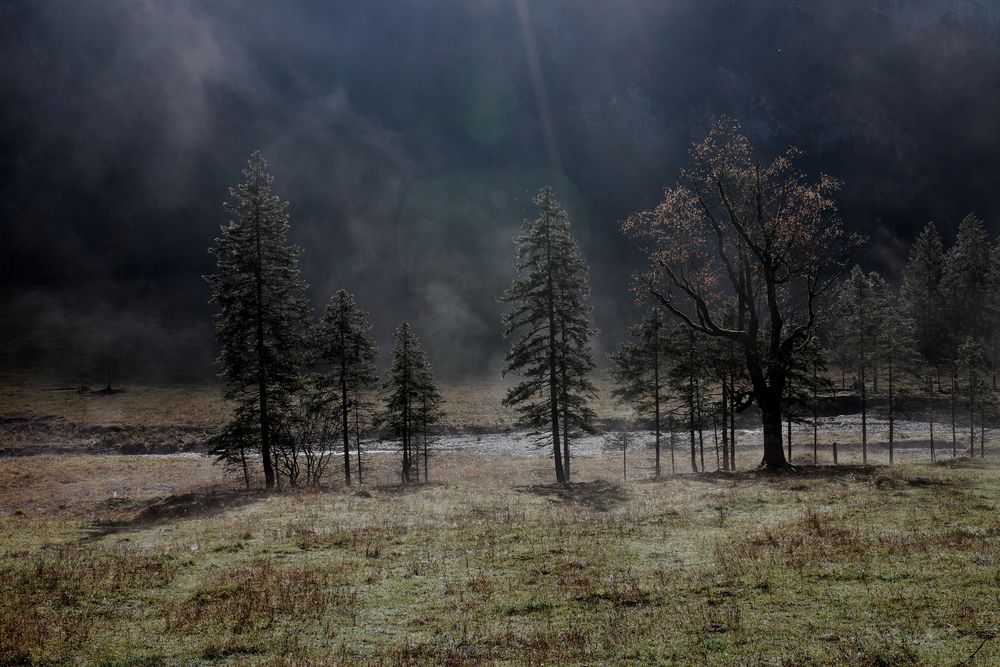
{"x":343,"y":344}
{"x":895,"y":349}
{"x":262,"y":316}
{"x":923,"y":306}
{"x":964,"y":282}
{"x":859,"y":303}
{"x":428,"y":412}
{"x":639,"y":368}
{"x":991,"y":308}
{"x":550,"y":318}
{"x":964,"y":291}
{"x":971,"y":357}
{"x":803,"y":389}
{"x":727,"y":368}
{"x":688,"y":378}
{"x":411,"y":399}
{"x":921,"y":293}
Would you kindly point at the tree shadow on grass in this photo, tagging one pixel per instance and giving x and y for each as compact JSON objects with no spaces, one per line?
{"x":598,"y":495}
{"x":881,"y":475}
{"x":194,"y":505}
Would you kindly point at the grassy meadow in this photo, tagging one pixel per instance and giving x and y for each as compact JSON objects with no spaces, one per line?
{"x":162,"y":560}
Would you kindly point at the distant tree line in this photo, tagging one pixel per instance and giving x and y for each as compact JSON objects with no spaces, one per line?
{"x":751,"y":301}
{"x":303,"y":388}
{"x":752,"y":264}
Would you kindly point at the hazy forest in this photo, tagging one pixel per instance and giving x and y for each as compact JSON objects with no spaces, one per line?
{"x":500,"y":332}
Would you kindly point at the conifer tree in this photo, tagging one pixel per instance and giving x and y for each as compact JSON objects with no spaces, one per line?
{"x":640,"y":368}
{"x":344,"y":345}
{"x":803,"y":388}
{"x":859,"y":302}
{"x":923,"y":306}
{"x":410,"y":399}
{"x":262,"y":316}
{"x":991,"y":307}
{"x":727,"y":367}
{"x":688,"y":379}
{"x":964,"y":282}
{"x":896,"y":351}
{"x":550,"y":324}
{"x":921,"y":293}
{"x":428,"y":412}
{"x":970,"y":358}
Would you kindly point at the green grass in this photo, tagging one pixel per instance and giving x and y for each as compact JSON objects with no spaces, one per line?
{"x":862,"y":567}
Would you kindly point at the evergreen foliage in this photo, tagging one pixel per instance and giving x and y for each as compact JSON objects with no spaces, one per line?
{"x":411,"y":401}
{"x":344,"y":347}
{"x":550,"y":324}
{"x":640,"y":369}
{"x":262,"y":320}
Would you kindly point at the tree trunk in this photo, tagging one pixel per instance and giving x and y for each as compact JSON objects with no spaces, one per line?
{"x":715,"y":439}
{"x":357,"y":438}
{"x":343,"y":402}
{"x":815,"y":420}
{"x":265,"y":421}
{"x":656,"y":403}
{"x":673,"y":466}
{"x":691,"y":417}
{"x":427,"y":475}
{"x":406,"y":413}
{"x":691,"y":413}
{"x":246,"y":471}
{"x":864,"y":417}
{"x":725,"y":425}
{"x":732,"y":424}
{"x":565,"y":445}
{"x":770,"y":415}
{"x":892,"y":415}
{"x":954,"y":406}
{"x":553,"y":384}
{"x":930,"y":412}
{"x":701,"y":431}
{"x":788,"y":418}
{"x":624,"y":460}
{"x":972,"y":415}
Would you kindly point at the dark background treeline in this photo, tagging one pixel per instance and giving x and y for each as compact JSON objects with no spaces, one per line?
{"x":409,"y":139}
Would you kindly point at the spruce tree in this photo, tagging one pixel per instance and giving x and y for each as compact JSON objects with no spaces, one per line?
{"x":921,"y":292}
{"x":896,"y":351}
{"x":263,"y":315}
{"x":964,"y":282}
{"x":991,"y":308}
{"x":727,"y":368}
{"x":344,"y":346}
{"x":802,"y":391}
{"x":689,"y":372}
{"x":639,"y":368}
{"x":550,"y":320}
{"x":858,"y":305}
{"x":970,"y":357}
{"x":428,"y":411}
{"x":923,"y":306}
{"x":411,"y":399}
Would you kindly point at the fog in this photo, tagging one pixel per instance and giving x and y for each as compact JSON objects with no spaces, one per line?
{"x":410,"y":136}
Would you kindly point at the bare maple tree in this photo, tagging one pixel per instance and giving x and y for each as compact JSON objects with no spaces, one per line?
{"x":757,"y":232}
